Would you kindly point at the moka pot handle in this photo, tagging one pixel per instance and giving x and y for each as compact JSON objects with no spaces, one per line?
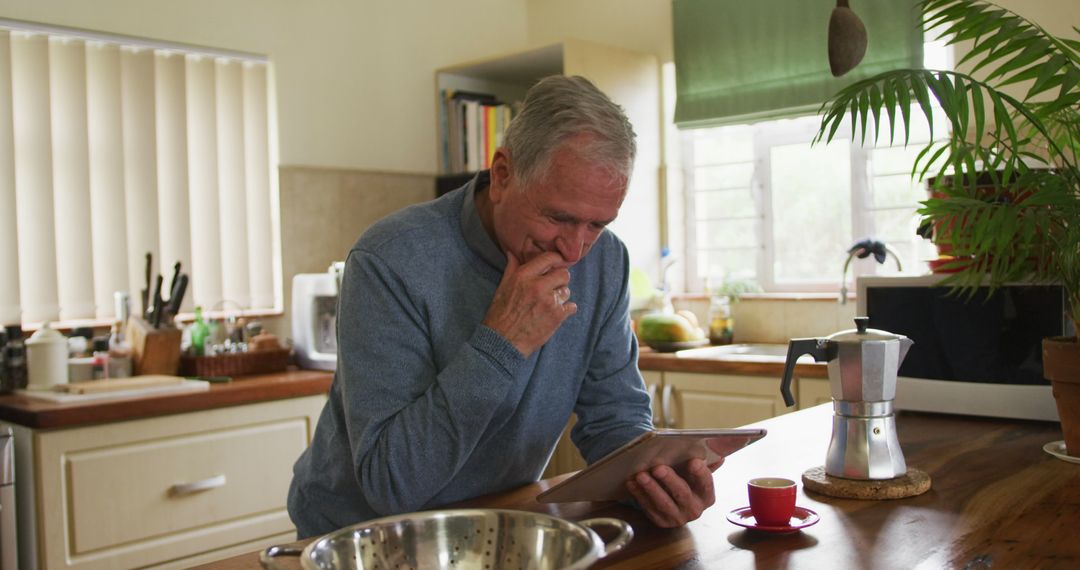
{"x":816,"y":347}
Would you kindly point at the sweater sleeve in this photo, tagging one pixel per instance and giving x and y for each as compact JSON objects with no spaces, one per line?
{"x":410,"y":426}
{"x":613,"y":405}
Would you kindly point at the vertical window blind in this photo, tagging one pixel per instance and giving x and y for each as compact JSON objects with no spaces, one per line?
{"x":112,"y":148}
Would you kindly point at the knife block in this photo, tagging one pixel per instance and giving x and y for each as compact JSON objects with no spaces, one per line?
{"x":154,"y":351}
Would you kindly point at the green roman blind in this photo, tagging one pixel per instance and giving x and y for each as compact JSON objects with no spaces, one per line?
{"x":739,"y":61}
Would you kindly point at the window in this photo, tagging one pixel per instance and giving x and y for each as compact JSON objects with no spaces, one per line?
{"x":762,"y":203}
{"x":114,"y":147}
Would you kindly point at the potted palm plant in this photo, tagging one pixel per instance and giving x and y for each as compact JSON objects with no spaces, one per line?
{"x":1005,"y":179}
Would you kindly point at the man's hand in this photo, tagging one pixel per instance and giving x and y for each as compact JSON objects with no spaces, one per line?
{"x":668,"y":499}
{"x":531,"y":301}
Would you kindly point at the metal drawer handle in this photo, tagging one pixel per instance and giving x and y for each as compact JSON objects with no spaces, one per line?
{"x":667,"y":403}
{"x":652,"y":402}
{"x":181,"y":489}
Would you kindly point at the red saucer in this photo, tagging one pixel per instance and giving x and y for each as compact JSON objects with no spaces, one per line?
{"x":802,"y":518}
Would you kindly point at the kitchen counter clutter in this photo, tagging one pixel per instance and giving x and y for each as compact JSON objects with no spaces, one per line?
{"x":167,"y":480}
{"x":997,"y":499}
{"x":36,"y":413}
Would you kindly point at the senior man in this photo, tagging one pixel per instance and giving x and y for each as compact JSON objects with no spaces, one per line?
{"x":471,"y":327}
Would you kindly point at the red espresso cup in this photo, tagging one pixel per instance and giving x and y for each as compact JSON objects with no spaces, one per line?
{"x":772,"y":500}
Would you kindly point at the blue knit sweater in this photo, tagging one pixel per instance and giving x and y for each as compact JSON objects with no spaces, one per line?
{"x":428,"y":405}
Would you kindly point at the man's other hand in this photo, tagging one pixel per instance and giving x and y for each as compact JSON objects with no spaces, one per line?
{"x":532,"y":301}
{"x":668,"y":499}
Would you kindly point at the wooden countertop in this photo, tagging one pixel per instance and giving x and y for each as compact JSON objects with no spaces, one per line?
{"x":997,"y":500}
{"x":41,"y":414}
{"x":649,"y":359}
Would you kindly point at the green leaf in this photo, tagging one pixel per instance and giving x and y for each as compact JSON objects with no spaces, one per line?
{"x":961,"y":95}
{"x":1002,"y":118}
{"x":1069,"y":81}
{"x":889,"y":95}
{"x":943,"y":92}
{"x":875,"y":110}
{"x":1020,"y":40}
{"x":1034,"y":51}
{"x":977,"y":110}
{"x":854,"y":109}
{"x":931,"y":161}
{"x":1009,"y":38}
{"x":1047,"y":71}
{"x":904,"y":94}
{"x":864,"y":105}
{"x":918,"y":85}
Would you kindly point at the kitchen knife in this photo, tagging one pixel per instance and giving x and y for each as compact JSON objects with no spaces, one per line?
{"x":145,"y":293}
{"x":156,"y":317}
{"x":176,"y":297}
{"x":175,"y":276}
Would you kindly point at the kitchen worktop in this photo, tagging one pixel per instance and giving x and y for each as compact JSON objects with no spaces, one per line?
{"x":649,"y":359}
{"x":996,"y":500}
{"x":41,"y":414}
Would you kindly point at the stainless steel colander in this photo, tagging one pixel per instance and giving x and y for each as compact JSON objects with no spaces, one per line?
{"x":486,"y":539}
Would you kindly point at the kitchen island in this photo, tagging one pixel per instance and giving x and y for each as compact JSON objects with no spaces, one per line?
{"x":997,"y":500}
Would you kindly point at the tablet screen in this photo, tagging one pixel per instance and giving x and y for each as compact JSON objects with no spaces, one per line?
{"x":606,"y":479}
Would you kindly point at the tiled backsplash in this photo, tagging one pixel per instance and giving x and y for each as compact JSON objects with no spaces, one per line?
{"x":769,"y":320}
{"x":324,"y":211}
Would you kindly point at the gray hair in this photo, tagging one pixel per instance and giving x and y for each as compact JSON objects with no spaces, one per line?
{"x":559,"y":107}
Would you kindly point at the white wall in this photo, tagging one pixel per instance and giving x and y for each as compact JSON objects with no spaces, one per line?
{"x":355,"y":78}
{"x":638,"y":25}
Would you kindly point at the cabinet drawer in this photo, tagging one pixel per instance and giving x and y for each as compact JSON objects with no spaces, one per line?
{"x":133,"y":492}
{"x":165,"y":490}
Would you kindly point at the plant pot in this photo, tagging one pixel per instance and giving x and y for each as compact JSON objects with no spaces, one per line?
{"x":953,"y":235}
{"x":1061,"y":366}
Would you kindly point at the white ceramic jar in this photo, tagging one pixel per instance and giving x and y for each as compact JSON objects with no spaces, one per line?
{"x":46,"y":359}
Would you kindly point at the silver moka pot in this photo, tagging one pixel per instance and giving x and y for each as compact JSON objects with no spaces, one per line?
{"x":862,"y":375}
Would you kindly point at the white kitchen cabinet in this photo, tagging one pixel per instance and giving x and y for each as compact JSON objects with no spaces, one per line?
{"x":690,"y":400}
{"x":813,"y":391}
{"x":696,"y":400}
{"x":163,"y":492}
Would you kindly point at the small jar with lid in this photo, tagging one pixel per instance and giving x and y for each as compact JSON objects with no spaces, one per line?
{"x":46,"y":359}
{"x":721,"y":323}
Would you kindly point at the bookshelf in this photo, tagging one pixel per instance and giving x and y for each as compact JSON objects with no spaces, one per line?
{"x":630,"y":78}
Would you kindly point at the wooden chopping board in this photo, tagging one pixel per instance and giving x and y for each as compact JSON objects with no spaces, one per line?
{"x":115,"y":384}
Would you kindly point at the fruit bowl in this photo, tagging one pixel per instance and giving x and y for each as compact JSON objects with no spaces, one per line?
{"x":668,"y":332}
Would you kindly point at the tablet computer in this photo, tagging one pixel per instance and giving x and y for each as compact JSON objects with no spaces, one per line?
{"x":606,"y":479}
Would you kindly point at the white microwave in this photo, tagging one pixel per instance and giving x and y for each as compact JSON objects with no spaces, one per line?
{"x":314,"y":317}
{"x":975,"y":356}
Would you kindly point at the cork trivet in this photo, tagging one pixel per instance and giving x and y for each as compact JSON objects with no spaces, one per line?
{"x":914,"y":482}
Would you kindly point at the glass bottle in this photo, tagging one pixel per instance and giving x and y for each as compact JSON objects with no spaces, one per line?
{"x":100,"y":356}
{"x":120,"y":364}
{"x":721,"y":323}
{"x":199,"y":333}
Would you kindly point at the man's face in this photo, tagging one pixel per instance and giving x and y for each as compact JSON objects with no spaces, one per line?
{"x":564,"y":210}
